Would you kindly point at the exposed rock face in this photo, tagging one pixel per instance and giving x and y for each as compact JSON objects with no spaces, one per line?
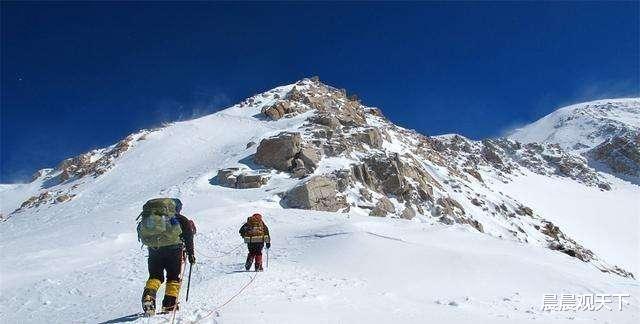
{"x":474,"y":173}
{"x":236,"y":178}
{"x":310,"y":157}
{"x":620,"y":153}
{"x":40,"y":173}
{"x":408,"y":212}
{"x":36,"y":201}
{"x":278,"y":152}
{"x":96,"y":162}
{"x":508,"y":156}
{"x":285,"y":152}
{"x":371,"y":136}
{"x":327,"y":120}
{"x":605,"y":131}
{"x":318,"y":193}
{"x":246,"y":181}
{"x":326,"y":100}
{"x":383,"y":208}
{"x":374,"y":162}
{"x":387,"y":174}
{"x":557,"y":240}
{"x":227,"y":177}
{"x":45,"y":198}
{"x":449,"y":207}
{"x":282,"y":109}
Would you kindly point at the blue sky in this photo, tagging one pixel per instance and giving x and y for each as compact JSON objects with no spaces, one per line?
{"x":81,"y":76}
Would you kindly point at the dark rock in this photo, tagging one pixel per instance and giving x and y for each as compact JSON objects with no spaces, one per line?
{"x":523,"y":210}
{"x":604,"y":186}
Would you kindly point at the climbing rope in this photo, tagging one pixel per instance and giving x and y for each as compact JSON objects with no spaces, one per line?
{"x":222,"y":253}
{"x":217,"y":308}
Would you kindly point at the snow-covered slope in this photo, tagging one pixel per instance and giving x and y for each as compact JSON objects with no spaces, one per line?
{"x":461,"y":251}
{"x":583,"y":126}
{"x":606,"y":221}
{"x":607,"y":132}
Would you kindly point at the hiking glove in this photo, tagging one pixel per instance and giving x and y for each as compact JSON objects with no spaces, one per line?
{"x":192,"y":259}
{"x":268,"y":245}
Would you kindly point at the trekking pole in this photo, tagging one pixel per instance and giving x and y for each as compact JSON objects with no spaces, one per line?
{"x":189,"y":280}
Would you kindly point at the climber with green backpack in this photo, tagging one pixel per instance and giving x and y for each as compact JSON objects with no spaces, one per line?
{"x":168,"y":235}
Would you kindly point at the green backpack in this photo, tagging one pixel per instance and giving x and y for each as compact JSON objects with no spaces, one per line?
{"x":158,"y":224}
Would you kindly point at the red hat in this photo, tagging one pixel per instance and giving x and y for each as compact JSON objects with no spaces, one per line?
{"x":257,"y":216}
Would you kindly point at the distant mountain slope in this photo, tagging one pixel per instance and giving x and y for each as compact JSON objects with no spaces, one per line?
{"x":583,"y":126}
{"x":605,"y":131}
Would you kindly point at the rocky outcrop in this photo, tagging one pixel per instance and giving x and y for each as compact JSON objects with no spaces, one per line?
{"x":96,"y":162}
{"x":508,"y":156}
{"x":235,"y":178}
{"x":45,"y":198}
{"x":285,"y":152}
{"x":318,"y":193}
{"x":408,"y":212}
{"x":383,"y":208}
{"x":398,"y":173}
{"x":620,"y":153}
{"x":309,"y":94}
{"x":278,"y":152}
{"x":448,"y":206}
{"x":283,"y":108}
{"x":327,"y":120}
{"x":371,"y":137}
{"x":558,"y":241}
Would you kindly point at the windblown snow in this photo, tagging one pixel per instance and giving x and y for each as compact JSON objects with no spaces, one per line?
{"x":73,"y":256}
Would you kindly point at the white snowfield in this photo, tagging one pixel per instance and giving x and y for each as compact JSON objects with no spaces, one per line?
{"x":80,"y":261}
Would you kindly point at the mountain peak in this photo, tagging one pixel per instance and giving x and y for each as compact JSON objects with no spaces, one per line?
{"x":583,"y":126}
{"x":606,"y":131}
{"x":320,"y":166}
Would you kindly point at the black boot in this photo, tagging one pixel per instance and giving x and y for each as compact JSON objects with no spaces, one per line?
{"x":169,"y":304}
{"x":149,"y":302}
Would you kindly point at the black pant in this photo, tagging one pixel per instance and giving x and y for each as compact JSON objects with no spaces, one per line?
{"x":166,"y":258}
{"x":255,"y":247}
